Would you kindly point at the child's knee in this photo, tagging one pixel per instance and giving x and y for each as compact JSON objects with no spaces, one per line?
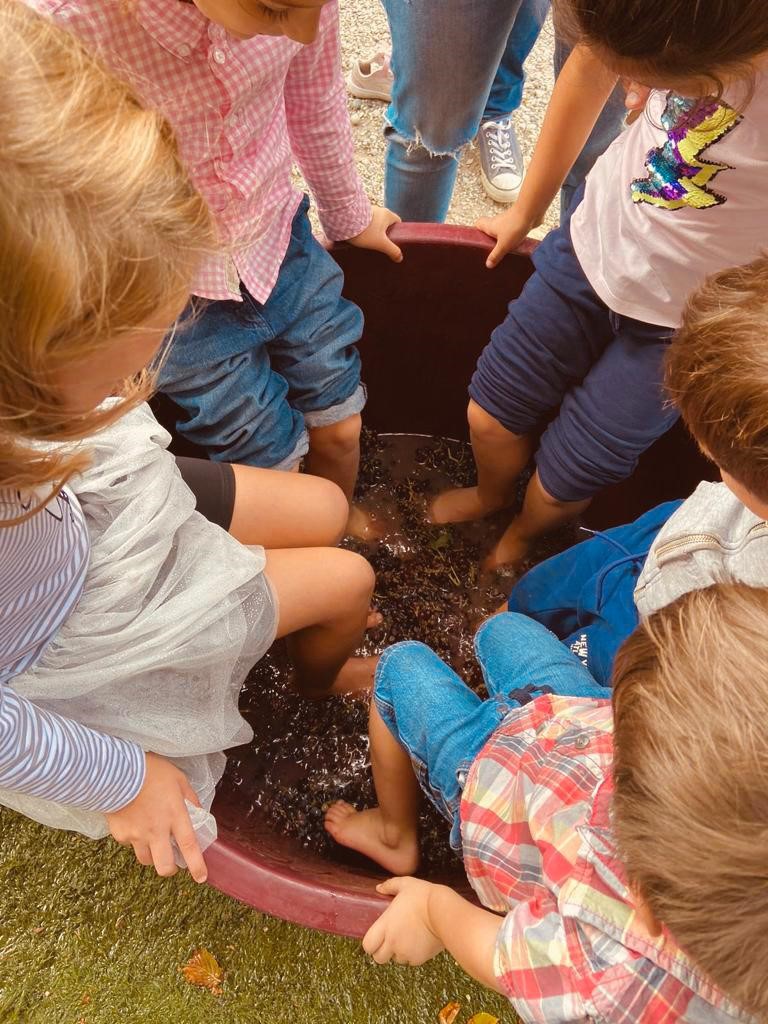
{"x":506,"y":631}
{"x":330,"y":509}
{"x":359,"y":577}
{"x":544,"y":493}
{"x":337,"y":439}
{"x":400,"y":668}
{"x":484,"y":428}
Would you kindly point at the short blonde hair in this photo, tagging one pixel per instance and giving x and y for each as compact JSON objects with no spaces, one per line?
{"x":100,"y":230}
{"x":717,"y":372}
{"x":691,"y":779}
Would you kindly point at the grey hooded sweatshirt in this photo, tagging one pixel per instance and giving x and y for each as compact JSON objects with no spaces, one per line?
{"x":711,"y":538}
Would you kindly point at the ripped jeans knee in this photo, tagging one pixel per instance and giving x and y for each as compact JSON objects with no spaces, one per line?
{"x":419,"y":149}
{"x":420,"y":175}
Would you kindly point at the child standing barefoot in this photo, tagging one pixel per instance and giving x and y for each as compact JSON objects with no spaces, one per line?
{"x":678,"y":196}
{"x":627,"y":862}
{"x":268,"y":372}
{"x":592,"y":594}
{"x":128,"y":621}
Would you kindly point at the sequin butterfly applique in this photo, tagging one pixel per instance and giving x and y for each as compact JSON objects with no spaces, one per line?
{"x":677,"y":176}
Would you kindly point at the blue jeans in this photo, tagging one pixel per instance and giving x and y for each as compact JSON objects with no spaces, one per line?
{"x":585,"y":594}
{"x":251,"y":377}
{"x":561,"y":355}
{"x":456,"y":63}
{"x":442,"y":725}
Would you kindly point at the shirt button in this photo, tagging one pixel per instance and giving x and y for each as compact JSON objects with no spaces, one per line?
{"x":581,"y":742}
{"x":184,"y":50}
{"x":219,"y":56}
{"x":233,"y":118}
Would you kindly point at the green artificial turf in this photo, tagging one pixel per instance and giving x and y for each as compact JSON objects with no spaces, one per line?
{"x":89,"y":937}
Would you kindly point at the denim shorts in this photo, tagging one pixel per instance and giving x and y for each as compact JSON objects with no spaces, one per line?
{"x":250,"y":377}
{"x":443,"y":725}
{"x":565,"y":361}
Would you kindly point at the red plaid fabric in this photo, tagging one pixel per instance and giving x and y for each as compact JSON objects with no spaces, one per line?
{"x":538,"y":847}
{"x":242,"y":110}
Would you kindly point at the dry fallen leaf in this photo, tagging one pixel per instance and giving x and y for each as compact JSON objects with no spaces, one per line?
{"x":203,"y":969}
{"x":483,"y":1018}
{"x":449,"y":1013}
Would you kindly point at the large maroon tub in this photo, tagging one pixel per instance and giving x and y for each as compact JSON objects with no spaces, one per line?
{"x":427,"y":320}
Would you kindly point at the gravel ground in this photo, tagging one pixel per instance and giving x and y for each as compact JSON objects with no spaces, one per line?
{"x":364,"y":32}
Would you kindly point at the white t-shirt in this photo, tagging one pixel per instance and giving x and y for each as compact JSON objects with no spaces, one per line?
{"x":681,"y":194}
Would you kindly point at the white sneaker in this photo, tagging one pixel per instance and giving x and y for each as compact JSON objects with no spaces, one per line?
{"x":371,"y":79}
{"x":501,"y":160}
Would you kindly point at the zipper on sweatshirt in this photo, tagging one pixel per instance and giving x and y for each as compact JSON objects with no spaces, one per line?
{"x":703,"y":540}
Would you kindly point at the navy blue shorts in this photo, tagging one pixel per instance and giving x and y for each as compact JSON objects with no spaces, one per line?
{"x":561,"y":347}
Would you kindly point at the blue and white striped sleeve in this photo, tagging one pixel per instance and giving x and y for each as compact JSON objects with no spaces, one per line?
{"x":45,"y":755}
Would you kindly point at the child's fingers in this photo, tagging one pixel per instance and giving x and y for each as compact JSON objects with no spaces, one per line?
{"x":189,"y":848}
{"x":392,"y":250}
{"x":497,"y":254}
{"x":487,"y":225}
{"x":374,"y":937}
{"x":391,"y":887}
{"x":143,"y":854}
{"x":383,"y":954}
{"x":162,"y":857}
{"x":189,"y":794}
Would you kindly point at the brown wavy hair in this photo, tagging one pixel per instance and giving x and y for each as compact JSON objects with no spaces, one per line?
{"x":711,"y":39}
{"x":690,"y":810}
{"x":100,"y":230}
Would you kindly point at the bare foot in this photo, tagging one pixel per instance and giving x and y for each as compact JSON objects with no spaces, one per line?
{"x":510,"y":551}
{"x":367,"y":832}
{"x":363,"y":525}
{"x":356,"y":675}
{"x":374,"y":620}
{"x":460,"y":505}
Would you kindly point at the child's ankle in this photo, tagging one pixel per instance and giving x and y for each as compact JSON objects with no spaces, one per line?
{"x":397,"y":834}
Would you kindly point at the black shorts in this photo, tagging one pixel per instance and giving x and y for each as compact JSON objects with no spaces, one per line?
{"x":213,"y":485}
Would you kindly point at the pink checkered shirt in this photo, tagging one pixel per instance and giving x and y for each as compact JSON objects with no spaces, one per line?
{"x":243,"y":111}
{"x":538,"y":847}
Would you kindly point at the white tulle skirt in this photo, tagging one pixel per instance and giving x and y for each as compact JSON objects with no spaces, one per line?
{"x":173,"y":615}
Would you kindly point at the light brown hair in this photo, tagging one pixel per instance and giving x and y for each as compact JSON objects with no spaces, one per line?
{"x":100,"y":230}
{"x":717,"y":372}
{"x":691,"y":779}
{"x":671,"y":38}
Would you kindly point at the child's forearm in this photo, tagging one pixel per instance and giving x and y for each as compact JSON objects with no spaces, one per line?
{"x":581,"y":91}
{"x":47,"y":755}
{"x":468,"y":932}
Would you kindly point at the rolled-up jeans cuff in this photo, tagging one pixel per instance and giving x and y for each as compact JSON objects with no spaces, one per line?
{"x":336,"y":413}
{"x":298,"y":453}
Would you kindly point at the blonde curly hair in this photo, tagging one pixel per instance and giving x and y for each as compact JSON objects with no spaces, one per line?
{"x":100,"y":230}
{"x":690,"y":812}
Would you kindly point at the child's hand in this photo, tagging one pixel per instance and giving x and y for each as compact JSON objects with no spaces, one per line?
{"x":375,"y":235}
{"x":403,"y":933}
{"x":508,"y":228}
{"x":158,"y":814}
{"x":635,"y":99}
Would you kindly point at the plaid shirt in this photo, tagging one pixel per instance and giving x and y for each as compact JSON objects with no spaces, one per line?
{"x":242,"y":111}
{"x":538,"y":846}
